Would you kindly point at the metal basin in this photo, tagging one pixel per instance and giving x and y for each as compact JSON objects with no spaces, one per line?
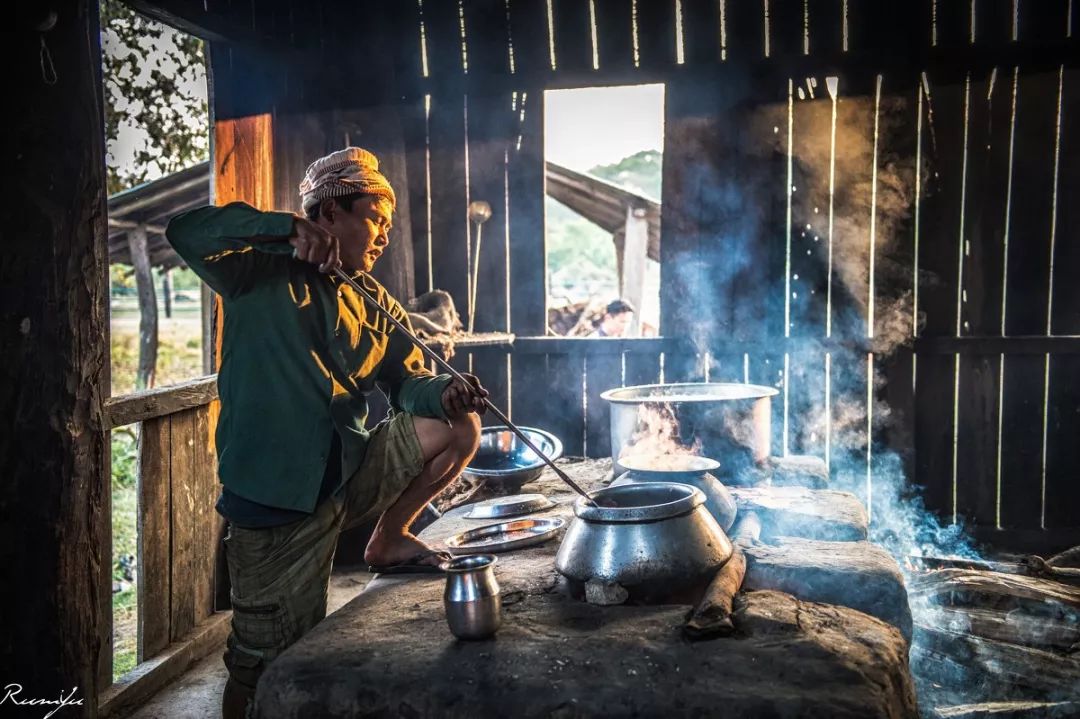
{"x":727,"y":421}
{"x":503,"y":462}
{"x":654,"y":539}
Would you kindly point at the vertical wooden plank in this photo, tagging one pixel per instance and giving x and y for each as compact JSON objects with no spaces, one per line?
{"x":786,"y":28}
{"x":976,"y":479}
{"x":487,"y":37}
{"x":529,"y":37}
{"x":1062,"y":450}
{"x":154,"y":536}
{"x":1027,"y":288}
{"x":414,"y":126}
{"x":603,"y":371}
{"x":1032,"y":204}
{"x":532,"y":405}
{"x":953,"y":23}
{"x":993,"y":22}
{"x":745,"y":31}
{"x":442,"y":33}
{"x":565,"y":375}
{"x":182,"y":517}
{"x":656,"y":33}
{"x":826,"y":27}
{"x":986,"y":198}
{"x":811,"y":143}
{"x":806,"y":401}
{"x":490,"y":123}
{"x":1065,"y":319}
{"x":206,"y":520}
{"x":640,"y":368}
{"x":1021,"y":442}
{"x":489,"y":364}
{"x":573,"y":36}
{"x":449,"y":203}
{"x":528,"y":261}
{"x":614,"y":26}
{"x":943,"y":143}
{"x":1043,"y":21}
{"x":933,"y":431}
{"x":243,"y":151}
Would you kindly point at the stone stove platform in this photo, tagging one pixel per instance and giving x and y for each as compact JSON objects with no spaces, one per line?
{"x":389,"y":652}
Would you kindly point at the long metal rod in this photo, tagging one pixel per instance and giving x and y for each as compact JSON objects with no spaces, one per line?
{"x":444,"y":365}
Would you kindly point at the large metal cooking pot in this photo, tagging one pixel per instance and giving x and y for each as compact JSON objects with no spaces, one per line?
{"x":725,"y":421}
{"x":654,"y":539}
{"x":684,"y":469}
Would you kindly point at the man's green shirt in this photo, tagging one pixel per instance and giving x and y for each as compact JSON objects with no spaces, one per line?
{"x":299,"y":355}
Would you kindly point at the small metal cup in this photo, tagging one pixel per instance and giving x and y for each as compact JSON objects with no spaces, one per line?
{"x":472,"y":602}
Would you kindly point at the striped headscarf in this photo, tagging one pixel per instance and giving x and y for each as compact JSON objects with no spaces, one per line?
{"x":344,"y":172}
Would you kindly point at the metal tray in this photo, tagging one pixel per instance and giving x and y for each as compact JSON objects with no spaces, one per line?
{"x":505,"y":536}
{"x":511,"y":506}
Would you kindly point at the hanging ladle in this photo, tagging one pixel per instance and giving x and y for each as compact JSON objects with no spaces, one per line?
{"x":445,"y":366}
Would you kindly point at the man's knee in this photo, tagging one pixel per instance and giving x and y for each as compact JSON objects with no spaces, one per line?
{"x":466,"y":437}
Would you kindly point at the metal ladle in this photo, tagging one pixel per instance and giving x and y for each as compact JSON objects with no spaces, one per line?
{"x":445,"y":366}
{"x":479,"y":213}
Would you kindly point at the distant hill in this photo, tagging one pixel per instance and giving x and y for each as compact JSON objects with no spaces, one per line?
{"x":640,"y":173}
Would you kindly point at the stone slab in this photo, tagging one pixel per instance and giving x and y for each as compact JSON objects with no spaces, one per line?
{"x":804,"y":512}
{"x":860,"y":575}
{"x":389,"y":651}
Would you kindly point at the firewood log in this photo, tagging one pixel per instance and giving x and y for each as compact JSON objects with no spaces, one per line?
{"x":712,"y":617}
{"x":999,"y":667}
{"x":1068,"y":558}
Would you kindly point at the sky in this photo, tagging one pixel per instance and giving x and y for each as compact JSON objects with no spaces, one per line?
{"x":580,"y":125}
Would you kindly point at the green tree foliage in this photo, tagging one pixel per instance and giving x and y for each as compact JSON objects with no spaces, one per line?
{"x":149,"y":70}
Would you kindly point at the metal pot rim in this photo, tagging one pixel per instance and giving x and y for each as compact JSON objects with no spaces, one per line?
{"x":678,"y":499}
{"x":708,"y":391}
{"x":555,"y":453}
{"x":700,"y":465}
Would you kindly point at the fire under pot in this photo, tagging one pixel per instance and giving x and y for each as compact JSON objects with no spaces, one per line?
{"x":727,"y":422}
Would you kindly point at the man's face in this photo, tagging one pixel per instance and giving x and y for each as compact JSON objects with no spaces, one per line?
{"x":363,"y":232}
{"x":615,"y":325}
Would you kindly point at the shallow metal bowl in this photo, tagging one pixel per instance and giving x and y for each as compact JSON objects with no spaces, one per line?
{"x":504,"y":463}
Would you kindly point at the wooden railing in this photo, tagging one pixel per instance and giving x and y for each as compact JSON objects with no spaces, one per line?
{"x":180,"y":562}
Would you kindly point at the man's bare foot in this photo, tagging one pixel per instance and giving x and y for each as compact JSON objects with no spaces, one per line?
{"x":388,"y":550}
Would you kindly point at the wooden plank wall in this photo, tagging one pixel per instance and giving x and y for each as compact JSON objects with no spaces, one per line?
{"x":179,"y":533}
{"x":913,"y":244}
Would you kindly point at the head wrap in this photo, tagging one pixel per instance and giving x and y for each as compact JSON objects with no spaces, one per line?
{"x":341,"y":173}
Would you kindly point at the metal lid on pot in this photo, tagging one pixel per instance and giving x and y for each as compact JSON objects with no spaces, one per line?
{"x":645,"y":502}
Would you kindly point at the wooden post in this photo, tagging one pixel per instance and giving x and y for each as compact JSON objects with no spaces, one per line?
{"x":166,"y":291}
{"x":54,"y":512}
{"x":632,"y":279}
{"x":148,"y":317}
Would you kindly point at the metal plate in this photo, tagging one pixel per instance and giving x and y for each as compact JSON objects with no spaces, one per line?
{"x":505,"y":536}
{"x":511,"y":506}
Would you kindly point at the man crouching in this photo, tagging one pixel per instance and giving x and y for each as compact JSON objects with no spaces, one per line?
{"x":300,"y":352}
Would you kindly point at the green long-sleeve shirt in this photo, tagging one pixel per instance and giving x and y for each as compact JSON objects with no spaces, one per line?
{"x":299,"y":354}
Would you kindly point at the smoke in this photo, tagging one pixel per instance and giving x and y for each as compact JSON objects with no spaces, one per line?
{"x":851,"y":209}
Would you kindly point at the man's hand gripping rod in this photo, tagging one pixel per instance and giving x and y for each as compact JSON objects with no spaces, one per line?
{"x":444,"y":365}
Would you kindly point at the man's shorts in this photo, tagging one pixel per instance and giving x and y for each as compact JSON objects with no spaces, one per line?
{"x":279,"y":575}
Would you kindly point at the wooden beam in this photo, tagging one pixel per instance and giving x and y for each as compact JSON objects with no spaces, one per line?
{"x":139,"y":406}
{"x":161,"y":670}
{"x":55,"y":535}
{"x":148,"y":316}
{"x":632,"y":267}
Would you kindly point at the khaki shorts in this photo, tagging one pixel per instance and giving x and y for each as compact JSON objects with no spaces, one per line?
{"x":279,"y":575}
